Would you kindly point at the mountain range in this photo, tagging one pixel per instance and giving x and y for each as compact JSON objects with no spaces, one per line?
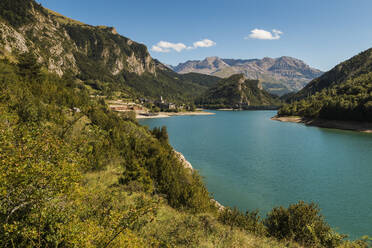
{"x":277,"y":75}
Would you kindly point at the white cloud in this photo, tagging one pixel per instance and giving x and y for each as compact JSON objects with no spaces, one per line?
{"x":265,"y":35}
{"x":165,"y":46}
{"x":159,"y":49}
{"x":204,"y":43}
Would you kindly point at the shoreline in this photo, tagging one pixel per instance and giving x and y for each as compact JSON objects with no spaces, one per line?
{"x":170,"y":114}
{"x":186,"y":164}
{"x":225,"y":109}
{"x":261,"y":108}
{"x":364,"y":127}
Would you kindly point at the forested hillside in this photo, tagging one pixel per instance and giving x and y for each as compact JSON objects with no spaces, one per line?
{"x":237,"y":92}
{"x":344,"y":93}
{"x":349,"y":69}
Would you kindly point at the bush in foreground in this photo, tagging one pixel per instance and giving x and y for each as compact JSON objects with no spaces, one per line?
{"x":302,"y":223}
{"x":250,"y":221}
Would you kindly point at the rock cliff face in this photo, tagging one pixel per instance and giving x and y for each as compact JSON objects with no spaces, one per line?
{"x":279,"y":76}
{"x":65,"y":45}
{"x":11,"y":40}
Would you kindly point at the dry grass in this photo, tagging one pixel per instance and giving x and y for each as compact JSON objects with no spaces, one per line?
{"x":63,"y":19}
{"x":173,"y":228}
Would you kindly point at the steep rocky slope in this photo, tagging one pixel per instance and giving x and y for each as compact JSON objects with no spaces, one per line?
{"x":278,"y":76}
{"x":64,"y":45}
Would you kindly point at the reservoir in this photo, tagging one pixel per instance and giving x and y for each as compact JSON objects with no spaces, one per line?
{"x":252,"y":162}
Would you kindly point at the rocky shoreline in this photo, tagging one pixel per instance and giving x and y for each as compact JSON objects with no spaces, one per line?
{"x":364,"y":127}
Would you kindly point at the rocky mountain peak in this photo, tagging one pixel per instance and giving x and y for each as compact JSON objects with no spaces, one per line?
{"x":290,"y":66}
{"x":212,"y":63}
{"x":268,"y":60}
{"x":211,"y":59}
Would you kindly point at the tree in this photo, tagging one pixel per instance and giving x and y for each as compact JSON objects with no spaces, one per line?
{"x":28,"y":66}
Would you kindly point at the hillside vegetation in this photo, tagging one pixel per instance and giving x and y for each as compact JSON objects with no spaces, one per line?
{"x":201,"y":79}
{"x":237,"y":92}
{"x":344,"y":93}
{"x":349,"y":69}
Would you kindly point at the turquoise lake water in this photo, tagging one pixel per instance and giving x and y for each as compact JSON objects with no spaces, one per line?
{"x":252,"y":162}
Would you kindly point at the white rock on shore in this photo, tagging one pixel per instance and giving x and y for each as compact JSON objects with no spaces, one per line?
{"x":188,"y":165}
{"x":183,"y":160}
{"x":218,"y":205}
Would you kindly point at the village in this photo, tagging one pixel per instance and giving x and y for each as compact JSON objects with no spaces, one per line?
{"x":145,"y":108}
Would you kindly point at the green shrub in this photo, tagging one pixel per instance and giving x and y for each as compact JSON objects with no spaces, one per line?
{"x":37,"y":171}
{"x":302,"y":223}
{"x":129,"y":116}
{"x":250,"y":221}
{"x":161,"y":134}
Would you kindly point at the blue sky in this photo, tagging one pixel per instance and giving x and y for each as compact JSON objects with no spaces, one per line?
{"x":320,"y":32}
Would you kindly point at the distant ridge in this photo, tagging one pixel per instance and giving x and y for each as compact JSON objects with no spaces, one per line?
{"x":278,"y":76}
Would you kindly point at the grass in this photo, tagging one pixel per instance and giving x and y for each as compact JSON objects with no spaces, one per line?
{"x":173,"y":228}
{"x":63,"y":19}
{"x":203,"y":230}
